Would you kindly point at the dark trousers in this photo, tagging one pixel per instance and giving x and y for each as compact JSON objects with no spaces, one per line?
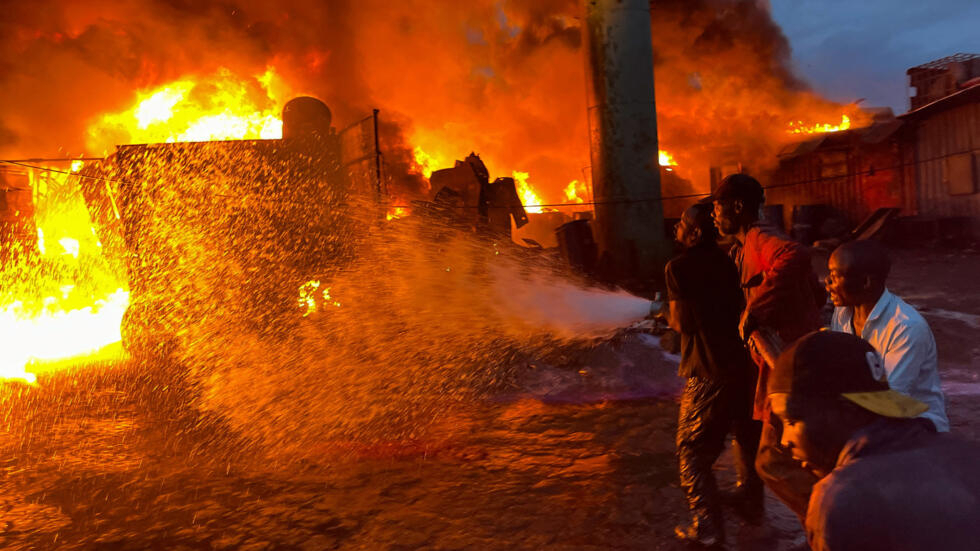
{"x":782,"y":474}
{"x":709,"y":411}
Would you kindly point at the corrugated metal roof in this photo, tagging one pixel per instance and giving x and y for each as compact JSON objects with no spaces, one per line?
{"x":874,"y":134}
{"x":943,"y":62}
{"x":877,"y":133}
{"x":802,"y":148}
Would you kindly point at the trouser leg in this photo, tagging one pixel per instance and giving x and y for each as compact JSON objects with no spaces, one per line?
{"x":748,"y":433}
{"x":701,"y":430}
{"x":782,"y":474}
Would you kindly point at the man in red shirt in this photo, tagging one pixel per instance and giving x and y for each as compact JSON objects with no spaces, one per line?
{"x":783,"y":295}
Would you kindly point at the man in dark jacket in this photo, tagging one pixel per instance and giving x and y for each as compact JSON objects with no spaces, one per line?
{"x":782,"y":295}
{"x":887,"y":479}
{"x":705,"y":304}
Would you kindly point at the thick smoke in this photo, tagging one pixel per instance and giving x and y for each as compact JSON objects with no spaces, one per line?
{"x":504,"y":79}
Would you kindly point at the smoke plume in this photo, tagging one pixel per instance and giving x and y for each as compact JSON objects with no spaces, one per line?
{"x":505,"y":79}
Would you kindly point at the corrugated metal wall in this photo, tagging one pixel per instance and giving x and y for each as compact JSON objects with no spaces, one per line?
{"x":950,"y":132}
{"x":854,"y":180}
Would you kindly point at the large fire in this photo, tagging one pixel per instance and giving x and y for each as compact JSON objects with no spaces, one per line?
{"x":62,"y":300}
{"x":59,"y":320}
{"x":74,"y":305}
{"x":221,"y":106}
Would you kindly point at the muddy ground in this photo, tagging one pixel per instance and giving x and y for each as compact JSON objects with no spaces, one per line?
{"x":111,"y":457}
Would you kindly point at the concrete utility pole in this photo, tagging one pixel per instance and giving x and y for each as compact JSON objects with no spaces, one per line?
{"x":629,"y":227}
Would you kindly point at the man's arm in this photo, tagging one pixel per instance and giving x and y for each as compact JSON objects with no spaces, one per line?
{"x":785,"y":264}
{"x":909,"y":352}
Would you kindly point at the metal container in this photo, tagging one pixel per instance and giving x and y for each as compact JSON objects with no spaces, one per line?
{"x":577,"y":245}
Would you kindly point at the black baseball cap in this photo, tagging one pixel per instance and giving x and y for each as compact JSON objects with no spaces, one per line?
{"x":828,"y":364}
{"x":740,"y":186}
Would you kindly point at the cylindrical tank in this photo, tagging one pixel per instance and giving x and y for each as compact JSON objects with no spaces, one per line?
{"x":304,"y":117}
{"x":623,"y":127}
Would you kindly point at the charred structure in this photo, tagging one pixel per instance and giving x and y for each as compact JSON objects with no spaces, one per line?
{"x":274,"y":214}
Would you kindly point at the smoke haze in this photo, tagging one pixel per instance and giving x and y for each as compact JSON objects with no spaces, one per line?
{"x":504,"y":79}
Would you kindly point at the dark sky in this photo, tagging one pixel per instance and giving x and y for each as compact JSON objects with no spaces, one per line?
{"x":852,"y":49}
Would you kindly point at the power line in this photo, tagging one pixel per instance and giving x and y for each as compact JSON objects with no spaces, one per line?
{"x":54,"y":159}
{"x":870,"y":171}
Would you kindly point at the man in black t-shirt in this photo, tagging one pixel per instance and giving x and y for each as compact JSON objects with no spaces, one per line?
{"x":705,"y":306}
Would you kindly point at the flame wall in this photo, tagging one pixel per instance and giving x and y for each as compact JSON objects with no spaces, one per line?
{"x":505,"y":79}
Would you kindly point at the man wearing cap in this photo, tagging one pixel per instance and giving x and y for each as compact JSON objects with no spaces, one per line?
{"x":783,"y":295}
{"x":887,"y":480}
{"x":705,"y":304}
{"x":866,"y":308}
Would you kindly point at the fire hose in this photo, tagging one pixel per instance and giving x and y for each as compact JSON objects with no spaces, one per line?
{"x":763,"y":340}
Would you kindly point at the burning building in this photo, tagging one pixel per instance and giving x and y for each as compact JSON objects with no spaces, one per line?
{"x":924,"y":163}
{"x":494,"y":77}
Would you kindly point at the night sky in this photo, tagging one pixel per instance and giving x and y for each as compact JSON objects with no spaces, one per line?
{"x":853,"y":49}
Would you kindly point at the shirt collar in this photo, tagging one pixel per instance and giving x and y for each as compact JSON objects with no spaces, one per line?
{"x":883,"y":436}
{"x":883,"y":305}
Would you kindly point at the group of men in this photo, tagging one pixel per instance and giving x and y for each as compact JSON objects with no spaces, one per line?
{"x":845,"y":426}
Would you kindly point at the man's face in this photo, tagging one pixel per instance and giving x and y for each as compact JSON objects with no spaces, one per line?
{"x":807,"y":437}
{"x":843,"y":285}
{"x":686,"y":231}
{"x":725,"y":214}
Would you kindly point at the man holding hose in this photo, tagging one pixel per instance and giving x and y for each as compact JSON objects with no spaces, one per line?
{"x":705,"y":304}
{"x":783,"y":299}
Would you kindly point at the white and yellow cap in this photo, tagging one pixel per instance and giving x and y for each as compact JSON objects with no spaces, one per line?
{"x":828,"y":364}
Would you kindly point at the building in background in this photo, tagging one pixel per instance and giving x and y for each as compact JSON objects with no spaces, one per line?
{"x":925,"y":163}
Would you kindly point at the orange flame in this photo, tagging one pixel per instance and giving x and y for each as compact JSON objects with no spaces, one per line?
{"x":49,"y":328}
{"x":57,"y":333}
{"x":666,"y":159}
{"x":193,"y":109}
{"x":424,"y":163}
{"x":528,"y":196}
{"x":799,"y":127}
{"x":49,"y":316}
{"x":571,"y":192}
{"x":396,"y":212}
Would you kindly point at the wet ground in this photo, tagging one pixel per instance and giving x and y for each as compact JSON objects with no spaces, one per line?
{"x":112,"y":457}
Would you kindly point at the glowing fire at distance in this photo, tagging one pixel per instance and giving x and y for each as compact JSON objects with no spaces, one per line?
{"x":311,"y":297}
{"x":528,"y":196}
{"x":426,"y":164}
{"x":571,"y":192}
{"x":799,"y":127}
{"x":218,"y":107}
{"x":666,"y":159}
{"x":396,"y":212}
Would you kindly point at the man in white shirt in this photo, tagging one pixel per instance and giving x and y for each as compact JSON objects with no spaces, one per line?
{"x":865,"y":307}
